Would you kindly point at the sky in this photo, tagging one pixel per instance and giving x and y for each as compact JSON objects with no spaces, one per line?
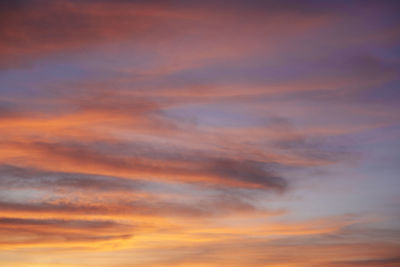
{"x":241,"y":133}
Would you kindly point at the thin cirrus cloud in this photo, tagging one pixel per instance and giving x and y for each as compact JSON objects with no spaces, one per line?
{"x":187,"y":133}
{"x":53,"y":231}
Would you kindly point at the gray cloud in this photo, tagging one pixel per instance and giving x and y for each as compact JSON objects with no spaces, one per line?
{"x":25,"y":177}
{"x":223,"y":169}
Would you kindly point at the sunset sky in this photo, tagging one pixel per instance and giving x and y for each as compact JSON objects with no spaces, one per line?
{"x":208,"y":133}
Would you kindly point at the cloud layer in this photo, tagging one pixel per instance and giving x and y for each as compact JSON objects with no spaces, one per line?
{"x":199,"y":133}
